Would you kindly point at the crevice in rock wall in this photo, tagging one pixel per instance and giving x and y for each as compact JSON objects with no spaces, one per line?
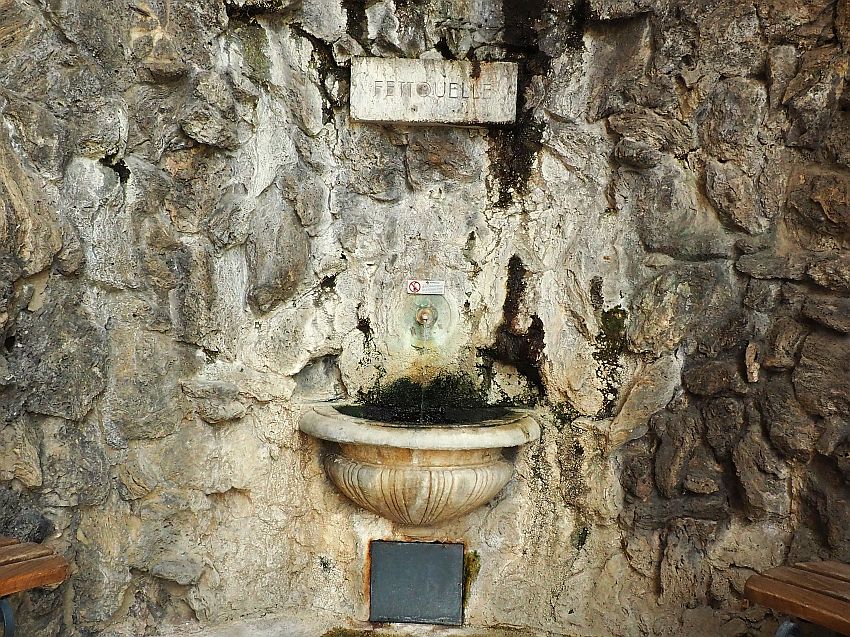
{"x":356,"y":22}
{"x":329,"y":72}
{"x":248,"y":11}
{"x":443,"y":47}
{"x":118,"y":166}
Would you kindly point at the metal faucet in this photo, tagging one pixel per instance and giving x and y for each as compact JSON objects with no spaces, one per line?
{"x":426,"y":317}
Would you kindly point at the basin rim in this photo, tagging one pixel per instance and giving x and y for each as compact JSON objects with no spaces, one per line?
{"x":323,"y":421}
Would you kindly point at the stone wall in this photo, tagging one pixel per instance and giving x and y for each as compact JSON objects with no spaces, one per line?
{"x":195,"y":240}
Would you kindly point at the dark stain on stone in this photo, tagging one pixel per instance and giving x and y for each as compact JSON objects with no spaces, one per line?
{"x":243,"y":13}
{"x":248,"y":13}
{"x":596,"y":298}
{"x":515,"y":288}
{"x":471,"y":569}
{"x":21,"y":518}
{"x":579,"y":537}
{"x":328,"y":283}
{"x":512,"y":153}
{"x":582,"y":14}
{"x":612,"y":337}
{"x":564,"y":414}
{"x":119,"y":167}
{"x":610,"y":343}
{"x":514,"y":148}
{"x":570,"y":456}
{"x":355,"y":21}
{"x":365,"y":326}
{"x":522,"y":349}
{"x":521,"y":19}
{"x":443,"y":47}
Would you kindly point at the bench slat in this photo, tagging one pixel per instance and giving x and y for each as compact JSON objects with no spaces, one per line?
{"x":799,"y":602}
{"x":812,"y":581}
{"x":6,"y":541}
{"x":830,"y":569}
{"x":20,"y":552}
{"x":42,"y":571}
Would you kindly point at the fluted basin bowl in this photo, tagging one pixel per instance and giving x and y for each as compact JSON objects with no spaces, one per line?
{"x":419,"y":475}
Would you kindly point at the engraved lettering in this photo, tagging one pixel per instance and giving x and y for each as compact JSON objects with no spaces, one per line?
{"x":434,"y":91}
{"x":453,"y":90}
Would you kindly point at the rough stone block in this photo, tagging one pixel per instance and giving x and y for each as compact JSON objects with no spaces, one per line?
{"x":831,"y":311}
{"x":812,"y":96}
{"x":724,"y":421}
{"x":61,"y":356}
{"x":679,"y":434}
{"x":792,"y":431}
{"x":783,"y":342}
{"x":819,"y":201}
{"x":731,"y":191}
{"x":763,"y":475}
{"x":712,"y":378}
{"x":832,"y":272}
{"x":821,"y":379}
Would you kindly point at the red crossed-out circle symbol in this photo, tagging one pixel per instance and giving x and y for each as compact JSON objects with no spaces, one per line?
{"x":414,"y":286}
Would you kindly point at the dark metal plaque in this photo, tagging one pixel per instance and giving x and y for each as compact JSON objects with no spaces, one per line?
{"x":416,"y":582}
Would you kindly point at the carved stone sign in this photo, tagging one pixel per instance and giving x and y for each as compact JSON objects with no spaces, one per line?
{"x":432,"y":91}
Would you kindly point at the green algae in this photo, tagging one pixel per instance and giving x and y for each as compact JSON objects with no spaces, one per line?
{"x":471,"y":569}
{"x":446,"y":399}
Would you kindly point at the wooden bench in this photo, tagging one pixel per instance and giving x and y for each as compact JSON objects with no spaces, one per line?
{"x":24,"y":566}
{"x":818,"y":592}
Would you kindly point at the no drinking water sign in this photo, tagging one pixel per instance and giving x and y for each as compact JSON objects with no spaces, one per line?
{"x":425,"y":286}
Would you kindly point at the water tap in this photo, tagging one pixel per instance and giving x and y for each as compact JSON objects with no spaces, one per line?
{"x":426,"y":316}
{"x":426,"y":319}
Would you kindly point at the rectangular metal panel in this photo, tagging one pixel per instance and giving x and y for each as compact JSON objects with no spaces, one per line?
{"x":417,"y":582}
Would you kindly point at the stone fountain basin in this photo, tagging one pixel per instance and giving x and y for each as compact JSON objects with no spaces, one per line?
{"x":418,"y":476}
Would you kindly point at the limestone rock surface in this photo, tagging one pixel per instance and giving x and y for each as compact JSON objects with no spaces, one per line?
{"x":196,"y":241}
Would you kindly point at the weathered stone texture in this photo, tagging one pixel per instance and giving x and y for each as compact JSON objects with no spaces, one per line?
{"x":821,"y":378}
{"x":731,"y":117}
{"x":763,"y":475}
{"x":58,"y":358}
{"x":791,"y":430}
{"x":195,"y":239}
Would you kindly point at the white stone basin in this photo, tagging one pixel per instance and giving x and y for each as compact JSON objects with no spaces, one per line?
{"x":418,"y":476}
